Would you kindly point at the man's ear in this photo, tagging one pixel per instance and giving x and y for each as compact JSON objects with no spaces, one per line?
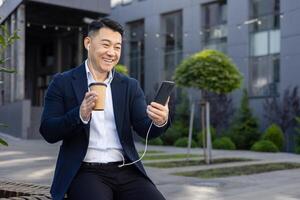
{"x":87,"y":43}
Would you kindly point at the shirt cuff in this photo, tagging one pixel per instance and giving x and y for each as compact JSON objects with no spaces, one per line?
{"x":85,"y":122}
{"x":159,"y":126}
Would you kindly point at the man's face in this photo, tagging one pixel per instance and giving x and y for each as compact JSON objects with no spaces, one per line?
{"x":104,"y":49}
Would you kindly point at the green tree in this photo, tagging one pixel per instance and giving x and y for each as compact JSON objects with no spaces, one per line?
{"x":6,"y":39}
{"x":244,"y":130}
{"x":209,"y":71}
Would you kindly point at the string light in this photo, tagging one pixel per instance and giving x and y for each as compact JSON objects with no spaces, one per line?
{"x":145,"y":35}
{"x":259,"y":22}
{"x":54,"y":26}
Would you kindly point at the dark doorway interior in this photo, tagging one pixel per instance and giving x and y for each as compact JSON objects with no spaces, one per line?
{"x":54,"y":37}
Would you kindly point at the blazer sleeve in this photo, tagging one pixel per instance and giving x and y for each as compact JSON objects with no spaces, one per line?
{"x":139,"y":117}
{"x":57,"y":123}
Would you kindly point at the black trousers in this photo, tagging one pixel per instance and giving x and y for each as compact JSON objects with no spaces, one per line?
{"x":109,"y":182}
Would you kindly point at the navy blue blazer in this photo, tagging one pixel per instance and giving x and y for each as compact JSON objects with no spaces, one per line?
{"x":61,"y":121}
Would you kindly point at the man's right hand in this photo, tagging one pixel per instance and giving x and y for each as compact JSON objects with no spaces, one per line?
{"x":87,"y":105}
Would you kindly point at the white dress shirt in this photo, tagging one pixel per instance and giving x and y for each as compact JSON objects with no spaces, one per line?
{"x":104,"y":144}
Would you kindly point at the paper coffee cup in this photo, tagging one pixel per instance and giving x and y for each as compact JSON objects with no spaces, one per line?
{"x":100,"y":88}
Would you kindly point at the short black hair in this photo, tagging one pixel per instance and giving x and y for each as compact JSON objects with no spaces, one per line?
{"x":95,"y":26}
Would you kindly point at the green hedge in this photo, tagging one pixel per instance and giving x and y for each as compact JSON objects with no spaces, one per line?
{"x":183,"y":142}
{"x":200,"y":136}
{"x":274,"y":134}
{"x":176,"y":131}
{"x":156,"y":141}
{"x":264,"y":146}
{"x":224,"y":143}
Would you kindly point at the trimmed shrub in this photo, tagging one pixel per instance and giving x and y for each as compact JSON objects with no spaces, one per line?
{"x":274,"y":134}
{"x":183,"y":142}
{"x":264,"y":146}
{"x":156,"y":141}
{"x":200,"y":136}
{"x":176,"y":131}
{"x":224,"y":143}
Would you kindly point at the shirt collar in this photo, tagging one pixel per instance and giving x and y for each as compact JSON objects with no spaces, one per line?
{"x":89,"y":74}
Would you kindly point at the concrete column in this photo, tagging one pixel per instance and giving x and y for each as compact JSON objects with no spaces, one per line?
{"x":6,"y":78}
{"x":13,"y":58}
{"x":20,"y":61}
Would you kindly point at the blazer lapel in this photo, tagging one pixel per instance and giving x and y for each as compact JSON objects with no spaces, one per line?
{"x":79,"y":83}
{"x":118,"y":91}
{"x":80,"y":87}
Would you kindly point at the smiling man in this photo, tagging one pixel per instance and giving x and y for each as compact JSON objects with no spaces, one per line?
{"x":95,"y":144}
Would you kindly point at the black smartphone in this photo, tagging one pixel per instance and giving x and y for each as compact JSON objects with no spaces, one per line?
{"x":164,"y":92}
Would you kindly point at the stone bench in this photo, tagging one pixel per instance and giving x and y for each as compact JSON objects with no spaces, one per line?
{"x":18,"y":191}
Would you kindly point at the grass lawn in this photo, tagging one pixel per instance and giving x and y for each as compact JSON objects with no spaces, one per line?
{"x":240,"y":170}
{"x":151,"y":152}
{"x":169,"y":156}
{"x":186,"y":163}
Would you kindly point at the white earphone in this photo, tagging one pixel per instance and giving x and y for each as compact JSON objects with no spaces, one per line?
{"x":88,"y":47}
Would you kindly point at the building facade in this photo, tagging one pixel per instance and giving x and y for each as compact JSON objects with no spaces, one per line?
{"x":261,"y":36}
{"x":51,"y":40}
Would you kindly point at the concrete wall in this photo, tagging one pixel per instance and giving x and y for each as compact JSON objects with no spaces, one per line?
{"x":7,"y":8}
{"x":98,"y":6}
{"x":237,"y":41}
{"x":17,"y":117}
{"x":290,"y":44}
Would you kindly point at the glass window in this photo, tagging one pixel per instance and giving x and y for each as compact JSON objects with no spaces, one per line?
{"x":172,"y":42}
{"x":264,"y":48}
{"x":214,"y":20}
{"x":274,"y":41}
{"x":264,"y":75}
{"x":259,"y":44}
{"x":136,"y":50}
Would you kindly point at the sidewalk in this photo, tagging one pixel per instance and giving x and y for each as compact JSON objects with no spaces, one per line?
{"x":33,"y":161}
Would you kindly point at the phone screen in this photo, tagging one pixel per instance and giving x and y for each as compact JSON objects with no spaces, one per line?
{"x":164,"y":92}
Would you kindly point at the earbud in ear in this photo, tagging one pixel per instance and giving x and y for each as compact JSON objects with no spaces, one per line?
{"x":88,"y":47}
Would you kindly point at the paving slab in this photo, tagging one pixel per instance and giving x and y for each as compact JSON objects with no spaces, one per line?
{"x":33,"y":161}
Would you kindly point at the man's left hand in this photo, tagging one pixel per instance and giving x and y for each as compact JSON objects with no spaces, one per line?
{"x":158,"y":113}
